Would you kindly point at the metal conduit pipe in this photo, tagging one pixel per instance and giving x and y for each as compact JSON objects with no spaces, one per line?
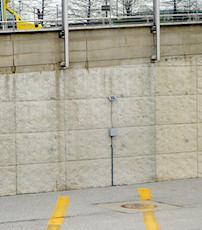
{"x":65,"y":28}
{"x":156,"y":27}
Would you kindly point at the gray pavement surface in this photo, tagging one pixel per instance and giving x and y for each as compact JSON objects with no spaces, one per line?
{"x":33,"y":211}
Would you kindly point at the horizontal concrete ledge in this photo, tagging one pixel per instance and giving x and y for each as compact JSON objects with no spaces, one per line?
{"x":59,"y":29}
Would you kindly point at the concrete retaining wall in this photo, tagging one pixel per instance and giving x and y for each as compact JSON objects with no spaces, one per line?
{"x":54,"y":124}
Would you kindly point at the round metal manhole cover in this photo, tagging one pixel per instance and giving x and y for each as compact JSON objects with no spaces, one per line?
{"x":138,"y":206}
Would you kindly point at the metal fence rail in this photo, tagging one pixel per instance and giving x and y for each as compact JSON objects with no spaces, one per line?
{"x":84,"y":23}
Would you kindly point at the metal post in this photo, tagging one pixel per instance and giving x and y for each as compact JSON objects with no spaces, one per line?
{"x":110,"y":12}
{"x":106,"y":11}
{"x":13,"y":15}
{"x":117,"y":6}
{"x":42,"y":11}
{"x":2,"y":14}
{"x":65,"y":26}
{"x":157,"y":26}
{"x":19,"y":7}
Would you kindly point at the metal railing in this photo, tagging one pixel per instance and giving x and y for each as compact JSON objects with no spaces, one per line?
{"x":99,"y":22}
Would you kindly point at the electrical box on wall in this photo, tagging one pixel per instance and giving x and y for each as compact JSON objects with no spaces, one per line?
{"x":113,"y":132}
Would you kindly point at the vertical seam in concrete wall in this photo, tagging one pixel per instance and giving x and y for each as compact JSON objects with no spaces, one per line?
{"x":111,"y":92}
{"x":13,"y":50}
{"x":155,"y":124}
{"x":65,"y":128}
{"x":112,"y":147}
{"x":14,"y":88}
{"x":197,"y":122}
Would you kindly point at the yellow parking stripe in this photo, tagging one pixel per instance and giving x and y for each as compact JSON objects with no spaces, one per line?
{"x":149,"y":217}
{"x":150,"y":221}
{"x":57,"y":217}
{"x":145,"y":193}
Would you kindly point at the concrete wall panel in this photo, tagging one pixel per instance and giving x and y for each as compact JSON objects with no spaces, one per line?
{"x":134,"y":170}
{"x":35,"y":178}
{"x":133,"y":81}
{"x":50,"y":147}
{"x":83,"y":83}
{"x":7,"y":88}
{"x":88,"y":173}
{"x":133,"y":112}
{"x":7,"y":180}
{"x":176,"y":110}
{"x":88,"y":144}
{"x":7,"y":117}
{"x":176,"y":138}
{"x":87,"y":114}
{"x":178,"y":80}
{"x":39,"y":116}
{"x":137,"y":141}
{"x":54,"y":122}
{"x":176,"y":166}
{"x":7,"y":150}
{"x":39,"y":86}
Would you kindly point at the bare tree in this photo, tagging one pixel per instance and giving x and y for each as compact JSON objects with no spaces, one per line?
{"x":30,"y":9}
{"x":84,"y":8}
{"x":128,"y":6}
{"x":180,"y":5}
{"x":133,"y":7}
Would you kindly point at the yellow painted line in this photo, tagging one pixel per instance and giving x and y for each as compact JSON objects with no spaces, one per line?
{"x":150,"y":221}
{"x":145,"y":193}
{"x":58,"y":215}
{"x":149,"y":217}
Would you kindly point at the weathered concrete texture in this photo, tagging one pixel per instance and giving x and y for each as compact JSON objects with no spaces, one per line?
{"x":87,"y":144}
{"x":133,"y":112}
{"x":39,"y":86}
{"x":183,"y":40}
{"x":54,"y":124}
{"x":133,"y":82}
{"x":88,"y":173}
{"x":131,"y":170}
{"x":136,"y":141}
{"x":6,"y":88}
{"x":199,"y":75}
{"x":83,"y":83}
{"x":33,"y":49}
{"x":7,"y":150}
{"x":200,"y":164}
{"x":39,"y":116}
{"x":87,"y":114}
{"x":119,"y":44}
{"x":33,"y":148}
{"x":33,"y":178}
{"x":6,"y":51}
{"x":176,"y":80}
{"x":7,"y":118}
{"x":176,"y":110}
{"x":176,"y":166}
{"x":176,"y":138}
{"x":199,"y":108}
{"x":200,"y":136}
{"x":7,"y":180}
{"x":94,"y":48}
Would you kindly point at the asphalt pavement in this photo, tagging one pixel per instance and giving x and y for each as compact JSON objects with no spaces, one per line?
{"x":178,"y":206}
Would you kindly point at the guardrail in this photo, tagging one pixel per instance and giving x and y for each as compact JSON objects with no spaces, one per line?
{"x":103,"y":22}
